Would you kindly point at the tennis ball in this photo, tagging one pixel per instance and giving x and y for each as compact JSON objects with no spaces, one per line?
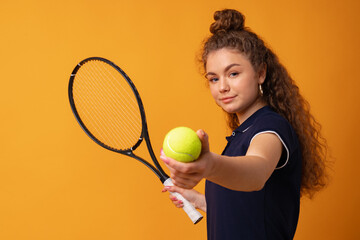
{"x":182,"y":144}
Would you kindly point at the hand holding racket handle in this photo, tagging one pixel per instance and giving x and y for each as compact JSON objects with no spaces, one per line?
{"x":190,"y":210}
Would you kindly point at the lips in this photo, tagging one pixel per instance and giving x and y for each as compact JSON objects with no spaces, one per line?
{"x":227,"y":99}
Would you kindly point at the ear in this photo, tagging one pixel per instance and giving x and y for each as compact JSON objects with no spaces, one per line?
{"x":262,"y":73}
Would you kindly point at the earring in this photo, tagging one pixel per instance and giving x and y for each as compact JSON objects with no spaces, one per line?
{"x":261,"y":90}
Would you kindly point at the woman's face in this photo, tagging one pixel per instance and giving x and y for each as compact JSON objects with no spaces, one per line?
{"x":233,"y":82}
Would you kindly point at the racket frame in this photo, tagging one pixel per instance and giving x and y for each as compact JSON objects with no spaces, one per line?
{"x":144,"y":131}
{"x":194,"y":215}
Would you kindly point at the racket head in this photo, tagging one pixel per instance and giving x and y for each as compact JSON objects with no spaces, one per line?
{"x":107,"y":105}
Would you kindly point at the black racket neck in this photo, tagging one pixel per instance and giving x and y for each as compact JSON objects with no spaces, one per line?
{"x":163,"y":176}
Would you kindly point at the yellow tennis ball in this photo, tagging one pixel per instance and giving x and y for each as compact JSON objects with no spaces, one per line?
{"x":182,"y":144}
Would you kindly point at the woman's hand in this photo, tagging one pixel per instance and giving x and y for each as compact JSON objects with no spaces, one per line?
{"x":188,"y":175}
{"x":195,"y":198}
{"x":240,"y":173}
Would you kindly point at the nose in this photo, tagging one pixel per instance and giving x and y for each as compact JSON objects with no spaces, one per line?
{"x":223,"y":86}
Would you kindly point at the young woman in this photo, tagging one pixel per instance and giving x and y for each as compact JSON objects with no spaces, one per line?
{"x":275,"y":153}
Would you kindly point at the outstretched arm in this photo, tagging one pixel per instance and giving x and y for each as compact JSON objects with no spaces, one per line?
{"x":245,"y":173}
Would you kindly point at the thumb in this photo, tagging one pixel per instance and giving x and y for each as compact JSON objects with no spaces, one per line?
{"x":204,"y":138}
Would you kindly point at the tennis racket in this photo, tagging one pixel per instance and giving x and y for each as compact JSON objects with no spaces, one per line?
{"x":109,"y":109}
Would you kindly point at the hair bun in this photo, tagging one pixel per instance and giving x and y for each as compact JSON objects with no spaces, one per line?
{"x":227,"y":20}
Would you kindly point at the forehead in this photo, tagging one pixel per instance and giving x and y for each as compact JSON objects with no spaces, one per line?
{"x":224,"y":57}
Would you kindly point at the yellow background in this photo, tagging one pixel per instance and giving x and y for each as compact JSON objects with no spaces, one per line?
{"x":55,"y":183}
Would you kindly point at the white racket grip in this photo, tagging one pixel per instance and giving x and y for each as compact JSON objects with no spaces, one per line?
{"x":190,"y":210}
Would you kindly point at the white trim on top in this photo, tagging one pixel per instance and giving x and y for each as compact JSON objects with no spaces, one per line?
{"x":283,"y":143}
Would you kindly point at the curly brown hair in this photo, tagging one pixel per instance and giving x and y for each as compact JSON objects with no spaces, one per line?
{"x":279,"y":92}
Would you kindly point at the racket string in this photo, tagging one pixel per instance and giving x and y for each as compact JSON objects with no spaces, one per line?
{"x":134,"y":114}
{"x":102,"y":100}
{"x":97,"y":124}
{"x":106,"y":105}
{"x":101,"y":123}
{"x":110,"y":109}
{"x":132,"y":104}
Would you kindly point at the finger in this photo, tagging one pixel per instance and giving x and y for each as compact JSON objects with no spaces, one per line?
{"x":162,"y":152}
{"x":179,"y":167}
{"x":178,"y":203}
{"x":184,"y":183}
{"x":173,"y":189}
{"x":204,"y":138}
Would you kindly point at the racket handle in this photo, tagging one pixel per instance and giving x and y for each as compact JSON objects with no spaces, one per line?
{"x":190,"y":210}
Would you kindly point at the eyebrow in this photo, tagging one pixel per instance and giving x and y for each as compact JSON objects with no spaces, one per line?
{"x":225,"y":70}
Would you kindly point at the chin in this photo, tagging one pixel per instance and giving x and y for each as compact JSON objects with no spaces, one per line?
{"x":230,"y":110}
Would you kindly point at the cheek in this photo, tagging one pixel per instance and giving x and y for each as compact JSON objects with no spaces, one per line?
{"x":248,"y":87}
{"x":213,"y":92}
{"x":215,"y":95}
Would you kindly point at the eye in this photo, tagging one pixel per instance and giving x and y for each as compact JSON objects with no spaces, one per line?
{"x":233,"y":74}
{"x":213,"y":79}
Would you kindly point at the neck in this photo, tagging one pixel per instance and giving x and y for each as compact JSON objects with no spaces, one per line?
{"x":242,"y":116}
